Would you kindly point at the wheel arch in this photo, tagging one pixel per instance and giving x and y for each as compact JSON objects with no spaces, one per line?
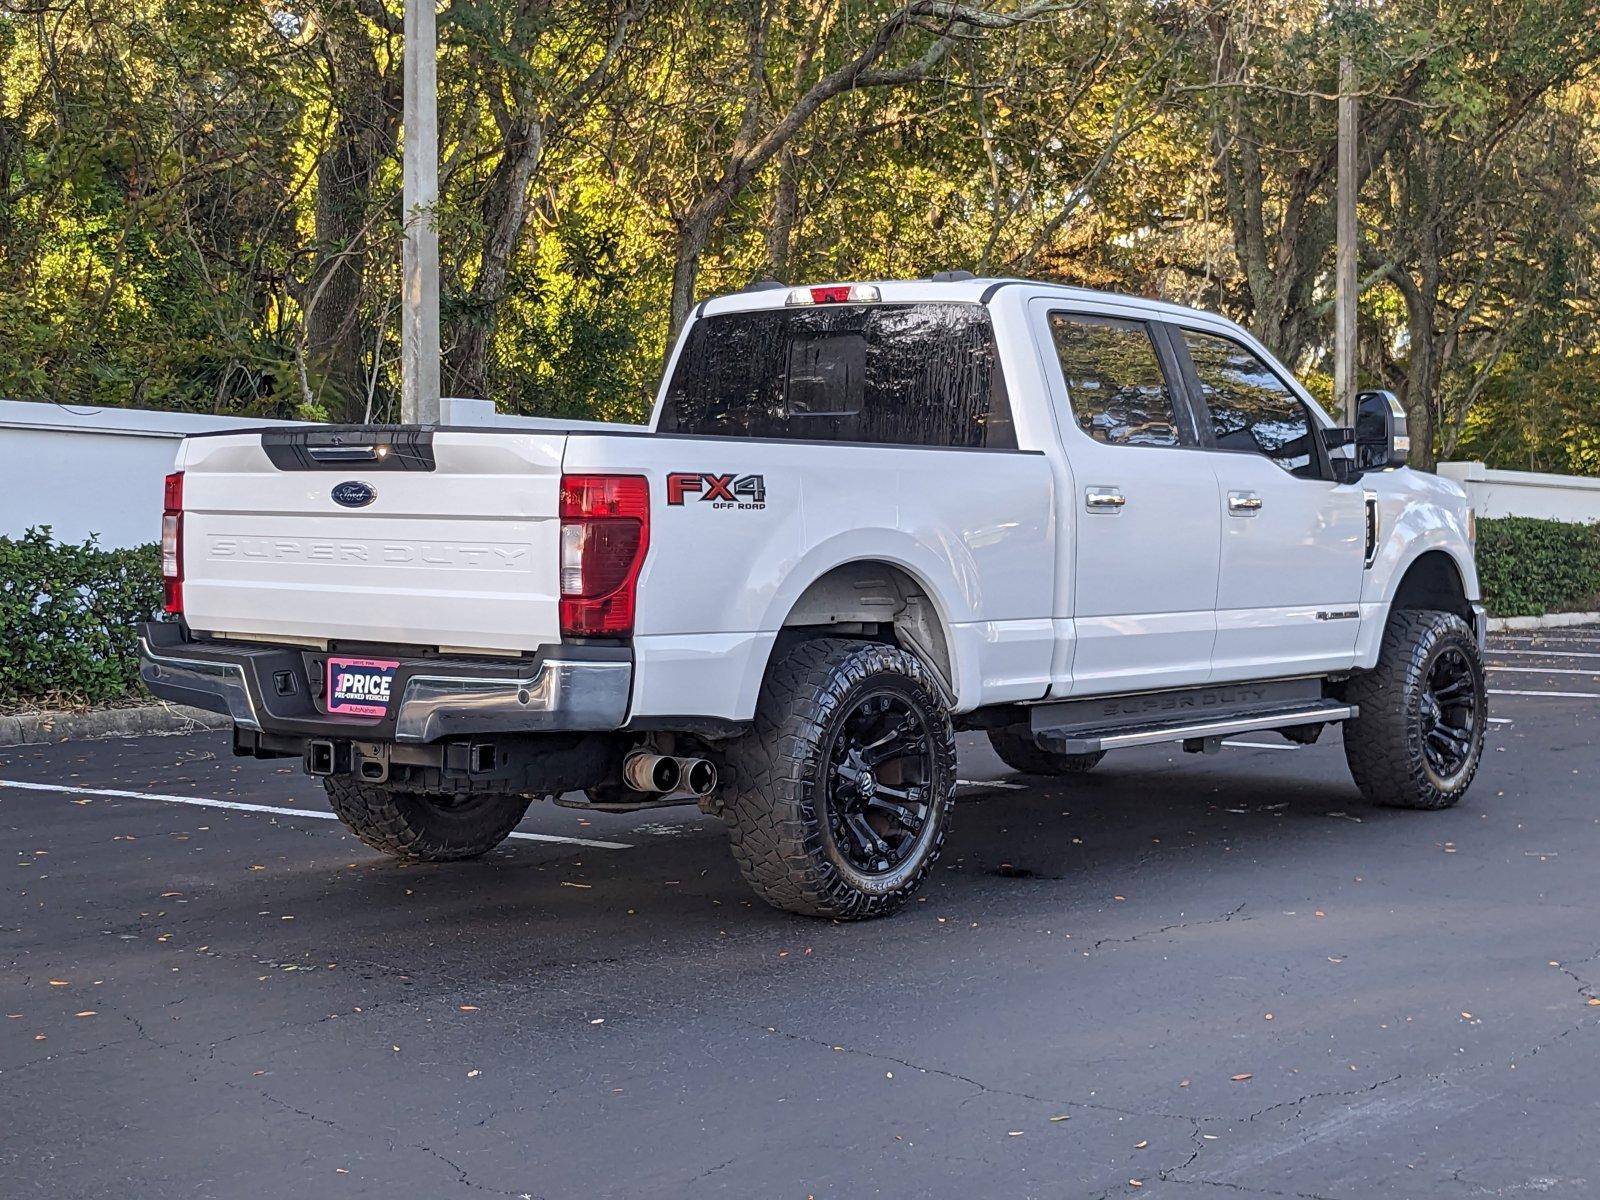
{"x":873,"y":595}
{"x":1432,"y":580}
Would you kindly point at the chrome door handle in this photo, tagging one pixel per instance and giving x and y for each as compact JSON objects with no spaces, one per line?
{"x":1243,"y":504}
{"x":1103,"y":499}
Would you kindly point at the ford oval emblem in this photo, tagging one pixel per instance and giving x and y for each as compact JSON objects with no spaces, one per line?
{"x":352,"y":493}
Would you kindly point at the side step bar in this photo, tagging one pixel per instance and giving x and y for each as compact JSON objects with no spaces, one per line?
{"x":1069,"y":740}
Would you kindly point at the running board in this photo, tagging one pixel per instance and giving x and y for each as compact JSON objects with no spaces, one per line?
{"x":1066,"y":741}
{"x":1203,"y":715}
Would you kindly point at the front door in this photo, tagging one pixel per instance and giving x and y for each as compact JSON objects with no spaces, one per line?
{"x":1140,"y":526}
{"x":1293,"y":540}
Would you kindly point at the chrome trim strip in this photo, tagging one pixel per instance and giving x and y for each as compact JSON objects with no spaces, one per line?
{"x":1090,"y":743}
{"x":560,"y":695}
{"x":224,"y":681}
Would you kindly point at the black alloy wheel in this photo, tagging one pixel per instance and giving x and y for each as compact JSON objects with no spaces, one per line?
{"x":1449,"y":713}
{"x":879,"y":765}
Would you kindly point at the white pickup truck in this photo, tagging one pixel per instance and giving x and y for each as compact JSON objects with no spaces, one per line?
{"x":863,"y":516}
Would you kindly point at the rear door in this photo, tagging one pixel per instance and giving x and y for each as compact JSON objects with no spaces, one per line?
{"x":1293,"y":540}
{"x":1142,"y":509}
{"x":419,"y":537}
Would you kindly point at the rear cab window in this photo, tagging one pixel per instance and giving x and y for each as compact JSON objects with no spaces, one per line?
{"x":896,"y":374}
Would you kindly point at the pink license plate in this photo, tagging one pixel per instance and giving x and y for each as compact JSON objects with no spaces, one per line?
{"x":359,"y":687}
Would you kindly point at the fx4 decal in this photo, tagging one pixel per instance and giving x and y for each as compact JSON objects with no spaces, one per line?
{"x":722,"y":491}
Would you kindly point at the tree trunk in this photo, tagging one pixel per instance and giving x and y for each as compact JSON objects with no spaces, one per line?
{"x":363,"y":135}
{"x":505,"y":205}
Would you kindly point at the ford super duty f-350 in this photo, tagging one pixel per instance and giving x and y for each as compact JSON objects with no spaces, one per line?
{"x":863,"y":516}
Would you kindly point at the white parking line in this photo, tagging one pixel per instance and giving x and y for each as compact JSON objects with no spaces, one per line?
{"x":271,"y":809}
{"x":1548,"y":653}
{"x":1563,"y":695}
{"x":1589,"y":671}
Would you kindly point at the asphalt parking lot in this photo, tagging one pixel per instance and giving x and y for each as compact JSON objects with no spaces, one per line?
{"x":1180,"y":976}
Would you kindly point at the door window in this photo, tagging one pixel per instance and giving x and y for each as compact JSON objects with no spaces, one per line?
{"x":1251,"y":408}
{"x":1115,"y":384}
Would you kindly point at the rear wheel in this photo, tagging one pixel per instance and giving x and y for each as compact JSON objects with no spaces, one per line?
{"x":839,"y":798}
{"x":1424,"y":708}
{"x":424,"y":826}
{"x":1017,"y":749}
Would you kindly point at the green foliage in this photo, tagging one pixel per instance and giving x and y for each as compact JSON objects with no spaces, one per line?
{"x":1528,"y":567}
{"x":200,"y":202}
{"x":71,"y":617}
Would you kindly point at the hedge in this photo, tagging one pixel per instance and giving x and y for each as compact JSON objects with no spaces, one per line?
{"x":69,"y":618}
{"x":1529,"y":567}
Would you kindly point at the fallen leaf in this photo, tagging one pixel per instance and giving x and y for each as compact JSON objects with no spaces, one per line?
{"x":58,"y":983}
{"x":1240,"y":1078}
{"x":1140,"y":1145}
{"x":598,"y":1021}
{"x":1062,"y":1117}
{"x":1015,"y":1133}
{"x":472,"y":1074}
{"x":469,"y":1008}
{"x":88,"y":1012}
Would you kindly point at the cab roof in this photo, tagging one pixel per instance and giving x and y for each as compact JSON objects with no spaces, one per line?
{"x":769,"y":294}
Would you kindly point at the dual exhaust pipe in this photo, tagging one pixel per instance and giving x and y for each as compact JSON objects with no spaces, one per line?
{"x":662,"y":774}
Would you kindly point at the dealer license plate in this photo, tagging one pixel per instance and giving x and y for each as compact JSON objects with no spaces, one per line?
{"x":359,"y":687}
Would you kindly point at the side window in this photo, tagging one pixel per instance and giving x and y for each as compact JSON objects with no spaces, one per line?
{"x":1118,"y":392}
{"x":899,"y":374}
{"x":1251,"y":408}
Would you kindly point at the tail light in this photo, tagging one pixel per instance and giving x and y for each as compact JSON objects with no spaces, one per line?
{"x":172,"y":544}
{"x":605,"y":531}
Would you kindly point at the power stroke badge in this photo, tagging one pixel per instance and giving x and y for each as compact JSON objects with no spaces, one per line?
{"x":719,"y":491}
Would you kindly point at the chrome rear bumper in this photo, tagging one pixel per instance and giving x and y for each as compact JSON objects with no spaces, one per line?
{"x":270,"y":689}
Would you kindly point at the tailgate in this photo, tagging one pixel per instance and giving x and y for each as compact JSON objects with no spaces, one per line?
{"x":446,"y":539}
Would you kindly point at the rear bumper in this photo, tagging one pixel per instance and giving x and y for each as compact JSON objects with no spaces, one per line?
{"x":272,"y":690}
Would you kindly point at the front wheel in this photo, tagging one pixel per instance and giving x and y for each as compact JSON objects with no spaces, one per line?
{"x":1424,"y":708}
{"x":839,"y":798}
{"x":422,"y":826}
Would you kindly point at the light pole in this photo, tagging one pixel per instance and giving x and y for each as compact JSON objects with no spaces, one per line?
{"x":419,"y":259}
{"x":1344,"y":267}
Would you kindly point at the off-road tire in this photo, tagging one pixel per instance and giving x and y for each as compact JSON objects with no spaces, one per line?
{"x":1384,"y":744}
{"x":1017,"y":749}
{"x":776,"y":783}
{"x":420,"y":827}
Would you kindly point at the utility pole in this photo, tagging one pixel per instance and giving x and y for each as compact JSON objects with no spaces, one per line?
{"x":1344,"y":303}
{"x":419,"y":259}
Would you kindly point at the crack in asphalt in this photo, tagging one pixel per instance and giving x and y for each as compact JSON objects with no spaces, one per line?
{"x":1149,"y":933}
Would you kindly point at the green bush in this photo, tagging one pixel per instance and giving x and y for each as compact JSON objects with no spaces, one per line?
{"x":69,"y":618}
{"x":1529,"y":567}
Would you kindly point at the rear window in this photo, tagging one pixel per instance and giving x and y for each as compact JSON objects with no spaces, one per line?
{"x":902,"y":374}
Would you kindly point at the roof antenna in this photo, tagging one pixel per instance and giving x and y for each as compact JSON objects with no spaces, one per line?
{"x":764,"y":285}
{"x":951,"y":276}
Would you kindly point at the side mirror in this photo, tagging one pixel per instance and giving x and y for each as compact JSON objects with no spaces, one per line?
{"x":1381,"y":438}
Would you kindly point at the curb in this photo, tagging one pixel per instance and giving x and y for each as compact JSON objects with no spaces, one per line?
{"x":1548,"y":621}
{"x":30,"y":729}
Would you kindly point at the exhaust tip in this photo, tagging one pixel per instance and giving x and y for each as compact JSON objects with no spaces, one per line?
{"x":699,"y":775}
{"x":646,"y":772}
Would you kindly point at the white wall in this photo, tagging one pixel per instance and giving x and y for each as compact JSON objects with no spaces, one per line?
{"x":1526,"y":493}
{"x":89,"y":471}
{"x":99,"y":470}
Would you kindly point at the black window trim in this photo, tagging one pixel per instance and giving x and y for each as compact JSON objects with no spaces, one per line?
{"x":1195,"y":397}
{"x":1190,"y":427}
